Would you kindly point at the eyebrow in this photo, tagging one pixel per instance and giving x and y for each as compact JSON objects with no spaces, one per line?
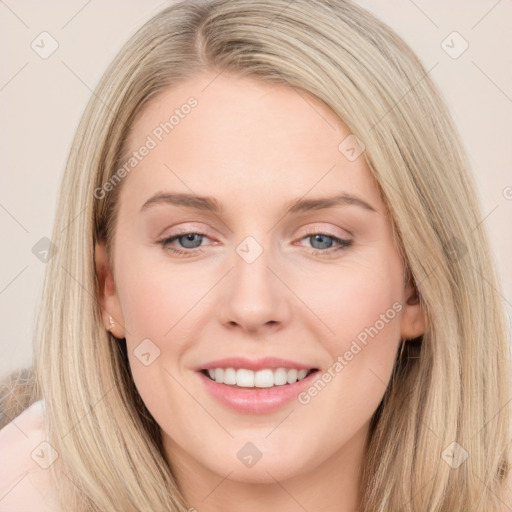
{"x":296,"y":206}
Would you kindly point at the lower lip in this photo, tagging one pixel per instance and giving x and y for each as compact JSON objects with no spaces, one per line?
{"x":256,"y":400}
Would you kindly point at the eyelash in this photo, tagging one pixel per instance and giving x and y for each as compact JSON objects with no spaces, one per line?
{"x":342,"y":243}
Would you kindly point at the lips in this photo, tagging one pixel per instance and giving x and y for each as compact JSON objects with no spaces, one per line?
{"x":255,"y":364}
{"x":261,"y":397}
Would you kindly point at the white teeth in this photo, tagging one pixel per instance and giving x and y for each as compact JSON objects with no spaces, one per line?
{"x":292,"y":376}
{"x":219,"y":374}
{"x":230,"y":376}
{"x":266,"y":378}
{"x":280,"y":376}
{"x":245,"y":378}
{"x":301,"y":374}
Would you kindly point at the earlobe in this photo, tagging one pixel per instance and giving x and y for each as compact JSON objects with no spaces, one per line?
{"x":413,"y":322}
{"x":107,"y":294}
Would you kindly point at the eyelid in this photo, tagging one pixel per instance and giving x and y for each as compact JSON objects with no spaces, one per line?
{"x":307,"y":231}
{"x":342,"y":243}
{"x":182,"y":228}
{"x":344,"y":234}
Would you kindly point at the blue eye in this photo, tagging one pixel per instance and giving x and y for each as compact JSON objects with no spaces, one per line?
{"x":191,"y":242}
{"x":322,"y":237}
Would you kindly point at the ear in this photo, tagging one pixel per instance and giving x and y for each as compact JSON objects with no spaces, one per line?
{"x":109,"y":301}
{"x":413,"y":321}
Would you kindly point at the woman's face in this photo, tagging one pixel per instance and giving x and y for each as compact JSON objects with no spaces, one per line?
{"x":254,"y":279}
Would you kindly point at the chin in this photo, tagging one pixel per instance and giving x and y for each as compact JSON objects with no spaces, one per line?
{"x":260,"y":462}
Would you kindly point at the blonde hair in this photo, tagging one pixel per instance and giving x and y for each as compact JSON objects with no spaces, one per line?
{"x":450,"y":385}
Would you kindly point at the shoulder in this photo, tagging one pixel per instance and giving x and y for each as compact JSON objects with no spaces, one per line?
{"x":25,"y":458}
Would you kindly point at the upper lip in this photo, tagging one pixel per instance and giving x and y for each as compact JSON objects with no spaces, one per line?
{"x":254,"y":364}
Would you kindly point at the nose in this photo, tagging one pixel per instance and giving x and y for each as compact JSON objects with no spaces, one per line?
{"x":253,"y":296}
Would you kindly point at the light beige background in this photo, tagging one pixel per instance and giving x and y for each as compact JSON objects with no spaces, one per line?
{"x":41,"y":101}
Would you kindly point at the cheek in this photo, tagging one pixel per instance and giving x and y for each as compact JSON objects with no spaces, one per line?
{"x":155,"y":297}
{"x":161,"y":305}
{"x":157,"y":309}
{"x":362,"y":305}
{"x":351,"y":298}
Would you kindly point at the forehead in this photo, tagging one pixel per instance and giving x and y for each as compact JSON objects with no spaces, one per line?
{"x":242,"y":138}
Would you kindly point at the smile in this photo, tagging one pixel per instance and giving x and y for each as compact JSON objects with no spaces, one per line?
{"x":265,"y":378}
{"x":256,"y":385}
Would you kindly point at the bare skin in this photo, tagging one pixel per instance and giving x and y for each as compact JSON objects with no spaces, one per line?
{"x":255,"y":147}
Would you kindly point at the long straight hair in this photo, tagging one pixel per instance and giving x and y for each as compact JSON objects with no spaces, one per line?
{"x":449,"y":394}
